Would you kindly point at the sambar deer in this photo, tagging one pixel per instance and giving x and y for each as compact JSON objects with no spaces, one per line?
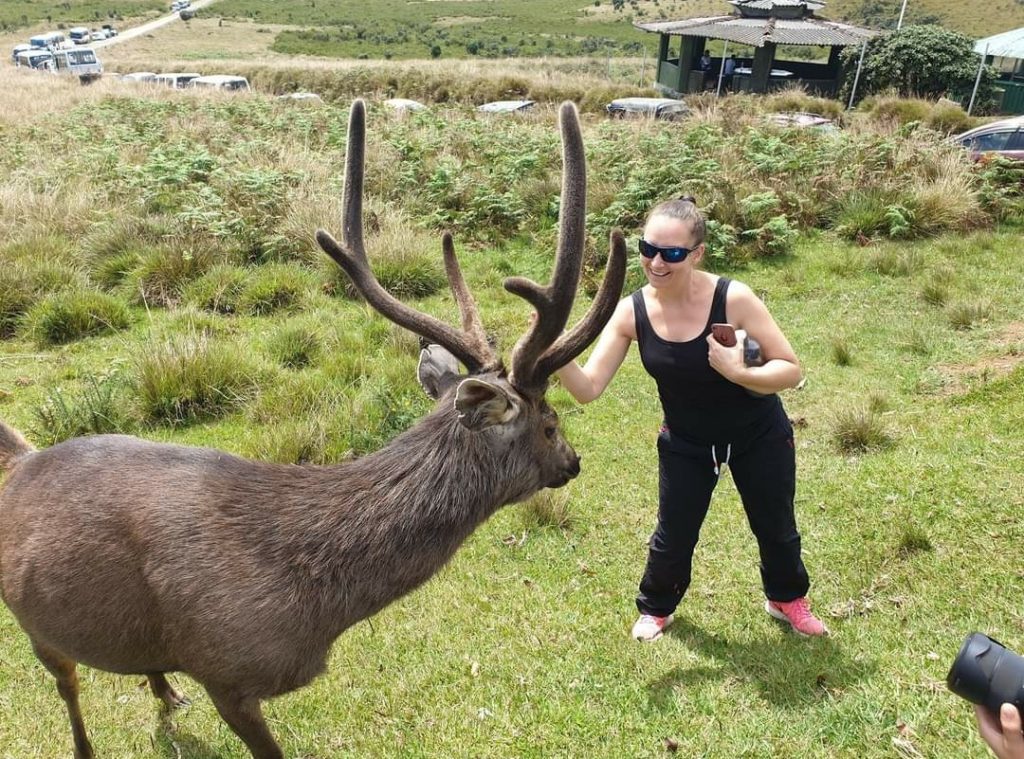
{"x":145,"y":558}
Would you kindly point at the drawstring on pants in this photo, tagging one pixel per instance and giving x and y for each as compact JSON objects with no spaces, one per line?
{"x":714,"y":457}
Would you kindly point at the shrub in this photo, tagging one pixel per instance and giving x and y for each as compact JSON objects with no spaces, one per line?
{"x":219,"y":290}
{"x":901,"y":110}
{"x":921,"y":61}
{"x":72,"y":315}
{"x":949,"y":118}
{"x":97,"y":408}
{"x":189,"y":378}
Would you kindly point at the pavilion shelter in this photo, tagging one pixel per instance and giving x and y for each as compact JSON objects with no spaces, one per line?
{"x":762,"y":25}
{"x":1005,"y":53}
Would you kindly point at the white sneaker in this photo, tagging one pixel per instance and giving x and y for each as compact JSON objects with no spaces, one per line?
{"x":649,"y":628}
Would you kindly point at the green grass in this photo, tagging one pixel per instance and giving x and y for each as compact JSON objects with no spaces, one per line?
{"x":520,"y":647}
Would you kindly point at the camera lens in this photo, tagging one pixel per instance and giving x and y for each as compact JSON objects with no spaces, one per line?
{"x":986,"y":673}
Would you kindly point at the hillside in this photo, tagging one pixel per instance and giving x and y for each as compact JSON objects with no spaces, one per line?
{"x":417,"y":29}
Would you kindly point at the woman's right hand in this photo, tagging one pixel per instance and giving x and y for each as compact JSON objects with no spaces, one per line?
{"x":1004,"y":735}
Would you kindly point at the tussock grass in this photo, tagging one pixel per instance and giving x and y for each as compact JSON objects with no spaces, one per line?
{"x":860,"y":430}
{"x":188,"y":378}
{"x":549,"y":508}
{"x":74,"y":314}
{"x":967,"y":314}
{"x":295,"y":345}
{"x":163,"y":272}
{"x":273,"y":288}
{"x":842,"y":351}
{"x":219,"y":290}
{"x":98,"y":406}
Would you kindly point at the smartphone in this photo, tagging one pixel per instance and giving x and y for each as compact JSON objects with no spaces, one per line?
{"x":724,"y":333}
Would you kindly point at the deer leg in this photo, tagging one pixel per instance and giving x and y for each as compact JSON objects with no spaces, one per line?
{"x":162,"y":689}
{"x":63,"y":669}
{"x":243,"y":715}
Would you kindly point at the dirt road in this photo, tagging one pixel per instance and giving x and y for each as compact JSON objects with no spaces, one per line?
{"x":149,"y":26}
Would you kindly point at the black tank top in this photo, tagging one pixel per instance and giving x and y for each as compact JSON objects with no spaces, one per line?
{"x":697,"y":401}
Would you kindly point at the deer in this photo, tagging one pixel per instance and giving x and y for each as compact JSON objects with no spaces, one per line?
{"x":144,"y":558}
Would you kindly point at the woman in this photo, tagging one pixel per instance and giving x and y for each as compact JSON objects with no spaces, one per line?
{"x":717,"y":412}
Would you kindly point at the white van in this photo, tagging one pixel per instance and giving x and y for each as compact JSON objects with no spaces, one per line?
{"x":79,"y":35}
{"x":81,"y":62}
{"x":41,"y":60}
{"x":47,"y":41}
{"x":176,"y":80}
{"x":19,"y":49}
{"x":220,"y":82}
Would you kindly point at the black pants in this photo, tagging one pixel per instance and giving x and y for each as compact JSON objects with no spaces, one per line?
{"x":763,"y":467}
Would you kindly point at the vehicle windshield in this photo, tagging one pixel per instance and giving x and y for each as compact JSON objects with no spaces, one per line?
{"x":79,"y":57}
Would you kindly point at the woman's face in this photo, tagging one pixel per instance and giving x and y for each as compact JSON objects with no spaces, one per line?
{"x":669,"y":232}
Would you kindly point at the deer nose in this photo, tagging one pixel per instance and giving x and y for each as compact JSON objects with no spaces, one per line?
{"x":574,"y":466}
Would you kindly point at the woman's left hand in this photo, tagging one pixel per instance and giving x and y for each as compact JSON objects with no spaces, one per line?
{"x":727,"y":361}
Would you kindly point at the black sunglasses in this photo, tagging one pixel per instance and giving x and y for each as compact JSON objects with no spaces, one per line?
{"x":668,"y":255}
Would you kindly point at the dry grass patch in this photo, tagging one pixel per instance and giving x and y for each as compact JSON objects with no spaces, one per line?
{"x":1008,"y":348}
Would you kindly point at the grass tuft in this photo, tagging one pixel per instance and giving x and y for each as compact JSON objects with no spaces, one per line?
{"x":98,"y":407}
{"x":967,"y":314}
{"x":189,"y":378}
{"x":72,"y":315}
{"x":860,"y":431}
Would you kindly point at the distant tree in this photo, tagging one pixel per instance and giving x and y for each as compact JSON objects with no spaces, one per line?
{"x":435,"y":51}
{"x":921,"y":61}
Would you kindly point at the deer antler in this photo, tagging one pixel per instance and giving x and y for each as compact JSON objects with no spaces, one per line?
{"x":537,"y":354}
{"x":469,"y":346}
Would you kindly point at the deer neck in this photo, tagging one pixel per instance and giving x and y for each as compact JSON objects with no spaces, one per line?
{"x":398,"y":515}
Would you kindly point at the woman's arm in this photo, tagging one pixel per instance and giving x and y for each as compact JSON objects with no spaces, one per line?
{"x":750,"y":316}
{"x":587,"y":383}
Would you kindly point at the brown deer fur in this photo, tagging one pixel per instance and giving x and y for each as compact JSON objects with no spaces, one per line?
{"x":145,"y":558}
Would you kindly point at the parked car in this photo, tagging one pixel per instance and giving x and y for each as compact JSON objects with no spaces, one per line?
{"x":177,"y":5}
{"x":19,"y":49}
{"x":1004,"y":137}
{"x":176,"y":80}
{"x":801,"y":120}
{"x":506,"y":106}
{"x":655,"y":108}
{"x":404,"y":104}
{"x":220,"y":82}
{"x":110,"y":30}
{"x":302,"y":97}
{"x":139,"y":76}
{"x":98,"y":35}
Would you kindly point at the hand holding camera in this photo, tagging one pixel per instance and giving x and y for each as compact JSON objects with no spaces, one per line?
{"x":992,"y":677}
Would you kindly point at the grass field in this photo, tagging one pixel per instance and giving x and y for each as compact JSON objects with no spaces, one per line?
{"x":909,"y":451}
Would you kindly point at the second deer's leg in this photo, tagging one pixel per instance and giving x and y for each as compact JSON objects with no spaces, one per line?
{"x":244,"y":716}
{"x":166,"y":692}
{"x":63,"y":669}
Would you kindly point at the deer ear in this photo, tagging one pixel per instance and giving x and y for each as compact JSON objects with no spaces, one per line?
{"x":483,"y":404}
{"x":438,"y":370}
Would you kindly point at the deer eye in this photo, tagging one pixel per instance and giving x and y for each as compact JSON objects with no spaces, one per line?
{"x":549,"y":432}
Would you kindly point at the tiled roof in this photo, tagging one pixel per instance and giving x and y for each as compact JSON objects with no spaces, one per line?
{"x":759,"y":31}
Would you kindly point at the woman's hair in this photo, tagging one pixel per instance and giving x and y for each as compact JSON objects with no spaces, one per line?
{"x":685,"y":209}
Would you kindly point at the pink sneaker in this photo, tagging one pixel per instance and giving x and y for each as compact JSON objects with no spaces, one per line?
{"x":798,"y":614}
{"x":649,"y":627}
